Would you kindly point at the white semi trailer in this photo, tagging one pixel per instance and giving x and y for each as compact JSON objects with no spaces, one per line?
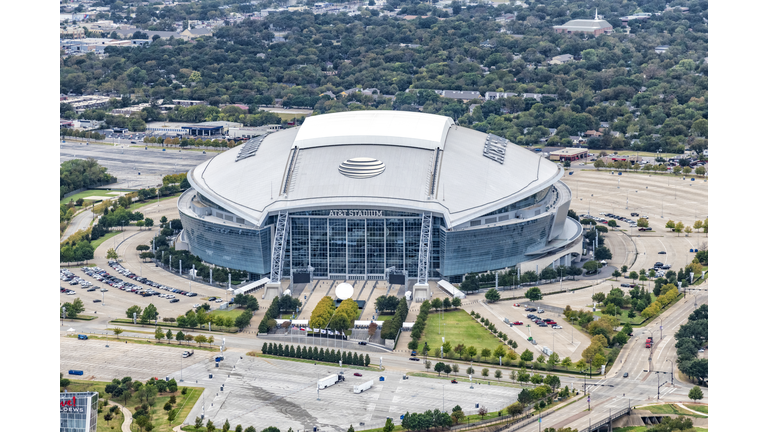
{"x":364,"y":386}
{"x":329,"y":381}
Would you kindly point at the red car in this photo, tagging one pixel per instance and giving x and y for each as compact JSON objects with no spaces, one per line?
{"x":358,"y":374}
{"x":454,"y":381}
{"x":517,"y":323}
{"x":552,"y":323}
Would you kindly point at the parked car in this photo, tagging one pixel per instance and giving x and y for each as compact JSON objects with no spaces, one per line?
{"x":517,"y":323}
{"x":174,"y":300}
{"x":453,"y":381}
{"x":557,"y":327}
{"x":625,"y":285}
{"x":97,"y":300}
{"x":358,"y":374}
{"x":663,"y":252}
{"x":362,"y":343}
{"x":414,"y":359}
{"x":626,"y":374}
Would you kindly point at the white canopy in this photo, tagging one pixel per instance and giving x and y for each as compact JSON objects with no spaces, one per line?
{"x":450,"y":289}
{"x":344,"y":291}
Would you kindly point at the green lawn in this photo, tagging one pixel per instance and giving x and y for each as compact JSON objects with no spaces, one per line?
{"x":225,"y":313}
{"x":700,"y":408}
{"x":624,"y":317}
{"x":159,"y":417}
{"x":93,"y":192}
{"x":459,"y":328}
{"x":384,"y":317}
{"x":96,"y":243}
{"x":669,"y":409}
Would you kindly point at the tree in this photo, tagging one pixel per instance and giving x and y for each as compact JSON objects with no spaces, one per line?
{"x":209,"y":426}
{"x":351,"y":429}
{"x":591,"y":266}
{"x":497,"y":374}
{"x":612,"y":223}
{"x":566,"y":363}
{"x":483,"y":411}
{"x":456,"y":302}
{"x":133,"y":309}
{"x":533,"y":294}
{"x":616,"y":273}
{"x":117,"y":331}
{"x":180,"y":336}
{"x":389,"y":426}
{"x":598,"y":297}
{"x":670,"y":224}
{"x":527,"y":355}
{"x":485,"y":353}
{"x":642,"y":223}
{"x":200,"y":339}
{"x":471,"y":351}
{"x":695,"y":394}
{"x":633,"y":275}
{"x":440,"y":367}
{"x":492,"y":295}
{"x":603,"y":253}
{"x":679,"y":228}
{"x":454,"y":368}
{"x":111,"y":254}
{"x":700,"y":170}
{"x":169,"y":335}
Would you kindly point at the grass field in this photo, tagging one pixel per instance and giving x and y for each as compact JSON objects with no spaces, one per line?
{"x":624,"y":317}
{"x":459,"y":328}
{"x":232,"y":314}
{"x":96,"y":243}
{"x":700,"y":408}
{"x":159,"y":417}
{"x":93,"y":192}
{"x":669,"y":409}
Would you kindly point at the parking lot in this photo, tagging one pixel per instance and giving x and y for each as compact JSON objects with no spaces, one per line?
{"x":267,"y":392}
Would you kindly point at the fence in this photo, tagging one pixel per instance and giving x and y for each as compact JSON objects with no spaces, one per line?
{"x":607,"y":420}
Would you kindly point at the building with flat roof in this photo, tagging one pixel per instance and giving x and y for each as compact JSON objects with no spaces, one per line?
{"x":594,"y":26}
{"x":569,"y":154}
{"x":365,"y":194}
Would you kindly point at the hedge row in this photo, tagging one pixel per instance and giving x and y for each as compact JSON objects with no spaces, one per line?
{"x":391,"y":327}
{"x":302,"y":352}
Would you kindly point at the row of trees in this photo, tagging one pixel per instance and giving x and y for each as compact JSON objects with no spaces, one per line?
{"x":324,"y":355}
{"x":472,"y":282}
{"x":680,"y":227}
{"x":273,"y":312}
{"x":81,"y":134}
{"x":420,"y":325}
{"x":626,"y":165}
{"x":691,"y":337}
{"x":391,"y":327}
{"x":387,"y":303}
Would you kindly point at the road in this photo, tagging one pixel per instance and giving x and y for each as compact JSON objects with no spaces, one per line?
{"x":614,"y":392}
{"x":81,"y":221}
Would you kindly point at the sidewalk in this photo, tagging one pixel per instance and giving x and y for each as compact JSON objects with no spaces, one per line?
{"x":126,"y":427}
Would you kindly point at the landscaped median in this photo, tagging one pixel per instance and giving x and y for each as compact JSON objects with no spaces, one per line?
{"x":669,"y":409}
{"x":204,"y":328}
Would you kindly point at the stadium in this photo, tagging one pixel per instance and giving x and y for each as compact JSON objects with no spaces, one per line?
{"x":379,"y":195}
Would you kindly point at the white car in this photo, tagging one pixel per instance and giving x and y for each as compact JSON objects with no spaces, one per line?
{"x":71,"y":293}
{"x":219,"y":300}
{"x":556,"y":327}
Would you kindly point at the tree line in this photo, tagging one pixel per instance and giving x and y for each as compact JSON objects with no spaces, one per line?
{"x":324,"y":355}
{"x":691,"y":337}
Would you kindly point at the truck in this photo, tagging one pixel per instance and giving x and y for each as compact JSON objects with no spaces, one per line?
{"x":506,"y":320}
{"x":364,"y":386}
{"x":649,"y":342}
{"x":75,"y":372}
{"x":186,"y":354}
{"x":329,"y":381}
{"x":414,"y":354}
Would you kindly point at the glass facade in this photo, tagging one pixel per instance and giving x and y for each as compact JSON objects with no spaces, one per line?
{"x":227,"y":246}
{"x":523,"y":203}
{"x":78,"y":411}
{"x":492,"y":248}
{"x":352,"y":248}
{"x":364,"y":247}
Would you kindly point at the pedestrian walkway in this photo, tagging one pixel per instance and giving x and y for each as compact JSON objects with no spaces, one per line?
{"x":128,"y":417}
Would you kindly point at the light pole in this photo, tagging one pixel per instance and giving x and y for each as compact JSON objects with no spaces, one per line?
{"x":672,"y":371}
